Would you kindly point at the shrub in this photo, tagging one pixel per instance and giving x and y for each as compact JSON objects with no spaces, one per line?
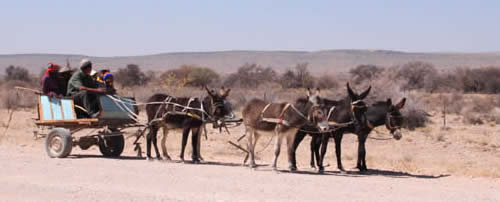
{"x":17,"y":74}
{"x":417,"y":75}
{"x":327,"y":82}
{"x":201,"y":76}
{"x":299,"y":77}
{"x":250,"y":76}
{"x":131,"y":75}
{"x":365,"y":73}
{"x":188,"y":75}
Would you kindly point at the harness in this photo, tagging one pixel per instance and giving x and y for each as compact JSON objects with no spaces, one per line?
{"x":280,"y":119}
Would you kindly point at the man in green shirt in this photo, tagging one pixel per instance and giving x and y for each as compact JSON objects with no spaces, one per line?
{"x":83,"y":89}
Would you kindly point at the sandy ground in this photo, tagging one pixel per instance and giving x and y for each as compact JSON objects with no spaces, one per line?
{"x":429,"y":164}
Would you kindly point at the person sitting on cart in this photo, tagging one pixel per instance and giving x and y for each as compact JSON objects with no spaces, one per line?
{"x":84,"y":90}
{"x":100,"y":76}
{"x":50,"y":82}
{"x":108,"y":84}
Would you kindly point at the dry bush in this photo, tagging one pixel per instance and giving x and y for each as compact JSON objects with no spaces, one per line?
{"x":17,"y":74}
{"x":189,"y":75}
{"x":131,"y":75}
{"x":250,"y":76}
{"x":12,"y":98}
{"x":299,"y":77}
{"x":327,"y":82}
{"x":480,"y":110}
{"x":363,"y":73}
{"x":417,"y":75}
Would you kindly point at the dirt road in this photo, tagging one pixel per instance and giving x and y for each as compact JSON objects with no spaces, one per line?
{"x":27,"y":174}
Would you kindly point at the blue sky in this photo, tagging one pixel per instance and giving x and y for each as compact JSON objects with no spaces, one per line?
{"x":118,"y":28}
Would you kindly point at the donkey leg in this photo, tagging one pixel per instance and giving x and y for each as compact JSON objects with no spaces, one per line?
{"x":338,"y":149}
{"x":324,"y":145}
{"x":185,"y":134}
{"x":296,"y":141}
{"x":314,"y":147}
{"x":195,"y":133}
{"x":149,"y":138}
{"x":163,"y":143}
{"x":277,"y":147}
{"x":290,"y":143}
{"x":155,"y":144}
{"x":199,"y":142}
{"x":250,"y":147}
{"x":361,"y":165}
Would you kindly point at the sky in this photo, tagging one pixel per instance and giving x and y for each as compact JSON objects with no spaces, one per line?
{"x":127,"y":28}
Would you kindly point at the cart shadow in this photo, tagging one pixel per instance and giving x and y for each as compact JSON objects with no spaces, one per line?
{"x":79,"y":156}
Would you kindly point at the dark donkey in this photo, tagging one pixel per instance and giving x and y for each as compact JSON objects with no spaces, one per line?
{"x":188,"y":114}
{"x":378,"y":114}
{"x":282,"y":120}
{"x":346,"y":113}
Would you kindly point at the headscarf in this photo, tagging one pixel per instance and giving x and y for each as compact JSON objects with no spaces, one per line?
{"x":107,"y":75}
{"x":52,"y":66}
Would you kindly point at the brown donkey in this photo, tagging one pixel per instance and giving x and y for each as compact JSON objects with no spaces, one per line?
{"x":282,"y":120}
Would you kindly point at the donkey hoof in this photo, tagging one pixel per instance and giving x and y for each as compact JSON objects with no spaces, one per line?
{"x":252,"y":165}
{"x":293,"y":169}
{"x":167,"y":157}
{"x":321,"y":170}
{"x":196,"y":161}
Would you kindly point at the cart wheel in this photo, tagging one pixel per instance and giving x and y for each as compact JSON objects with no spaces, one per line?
{"x":58,"y":143}
{"x":111,"y":146}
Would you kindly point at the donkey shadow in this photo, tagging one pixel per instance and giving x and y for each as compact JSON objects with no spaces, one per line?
{"x":385,"y":173}
{"x":356,"y":174}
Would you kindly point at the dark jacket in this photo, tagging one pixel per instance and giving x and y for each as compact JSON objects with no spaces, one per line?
{"x":50,"y":86}
{"x":80,"y":79}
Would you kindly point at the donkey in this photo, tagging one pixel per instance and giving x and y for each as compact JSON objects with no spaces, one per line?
{"x":188,"y":114}
{"x":283,"y":120}
{"x":342,"y":114}
{"x":378,"y":114}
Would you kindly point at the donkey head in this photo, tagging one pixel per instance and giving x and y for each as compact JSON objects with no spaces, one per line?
{"x":358,"y":106}
{"x":394,"y":119}
{"x":316,"y":114}
{"x":217,"y":105}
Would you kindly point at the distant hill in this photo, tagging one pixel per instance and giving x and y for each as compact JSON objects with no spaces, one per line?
{"x":229,"y":61}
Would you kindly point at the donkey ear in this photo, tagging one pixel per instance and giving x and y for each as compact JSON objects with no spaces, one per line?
{"x":352,"y":95}
{"x":226,"y":92}
{"x":309,"y":94}
{"x":210,"y":92}
{"x":401,"y":103}
{"x":389,"y":103}
{"x":364,"y":94}
{"x":317,"y":92}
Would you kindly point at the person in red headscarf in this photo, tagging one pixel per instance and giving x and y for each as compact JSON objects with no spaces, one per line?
{"x":50,"y":84}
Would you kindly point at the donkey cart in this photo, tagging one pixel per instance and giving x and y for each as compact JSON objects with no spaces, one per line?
{"x":60,"y":117}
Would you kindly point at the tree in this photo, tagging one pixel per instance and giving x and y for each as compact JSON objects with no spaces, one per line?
{"x":17,"y":74}
{"x":189,"y":75}
{"x":131,"y":75}
{"x":365,"y":73}
{"x":250,"y":76}
{"x":299,"y":77}
{"x":417,"y":75}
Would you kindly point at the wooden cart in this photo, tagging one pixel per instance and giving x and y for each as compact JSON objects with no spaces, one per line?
{"x":60,"y":117}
